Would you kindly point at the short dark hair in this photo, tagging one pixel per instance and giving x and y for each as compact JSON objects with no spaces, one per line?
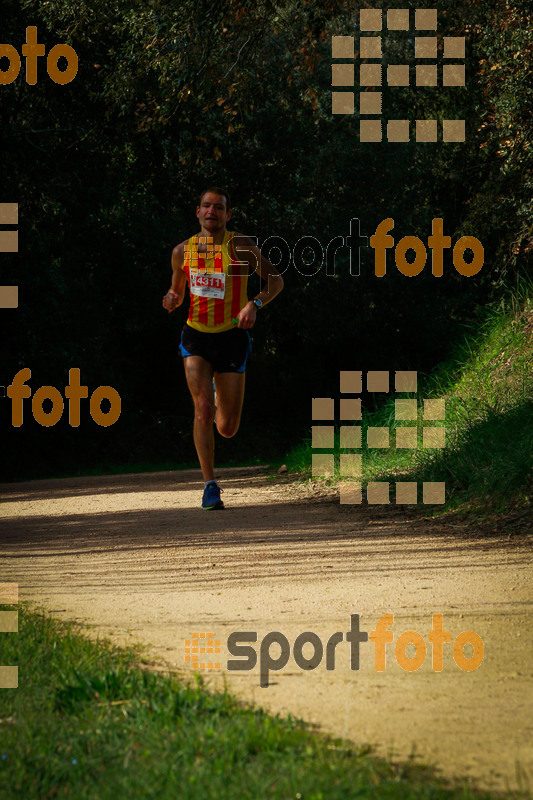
{"x":217,"y":190}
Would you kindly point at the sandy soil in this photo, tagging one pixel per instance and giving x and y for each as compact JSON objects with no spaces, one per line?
{"x":135,"y":557}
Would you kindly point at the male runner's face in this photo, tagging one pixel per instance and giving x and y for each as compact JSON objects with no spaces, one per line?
{"x":212,"y":212}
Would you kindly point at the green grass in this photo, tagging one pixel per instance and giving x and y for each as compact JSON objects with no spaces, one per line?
{"x":487,"y":463}
{"x":88,"y":722}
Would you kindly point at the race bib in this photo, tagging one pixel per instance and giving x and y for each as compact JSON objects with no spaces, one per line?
{"x":213,"y":285}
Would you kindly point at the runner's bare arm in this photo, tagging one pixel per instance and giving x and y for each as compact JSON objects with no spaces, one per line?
{"x":248,"y":252}
{"x":176,"y":293}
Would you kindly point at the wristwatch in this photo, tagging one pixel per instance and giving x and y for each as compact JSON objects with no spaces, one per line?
{"x":257,"y":303}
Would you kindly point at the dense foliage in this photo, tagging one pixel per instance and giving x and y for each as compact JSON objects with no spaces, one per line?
{"x":173,"y":95}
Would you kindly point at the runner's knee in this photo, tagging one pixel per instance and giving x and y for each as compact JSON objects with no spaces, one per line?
{"x":204,"y":410}
{"x":227,"y":427}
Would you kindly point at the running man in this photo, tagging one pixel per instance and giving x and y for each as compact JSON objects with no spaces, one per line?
{"x":216,"y":264}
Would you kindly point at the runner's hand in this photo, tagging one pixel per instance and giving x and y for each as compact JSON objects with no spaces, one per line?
{"x":247,"y":315}
{"x":171,"y":301}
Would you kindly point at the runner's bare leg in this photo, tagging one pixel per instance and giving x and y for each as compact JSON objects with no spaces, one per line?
{"x":230,"y":396}
{"x":199,"y":375}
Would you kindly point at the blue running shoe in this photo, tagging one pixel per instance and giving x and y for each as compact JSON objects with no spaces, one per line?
{"x":211,"y":499}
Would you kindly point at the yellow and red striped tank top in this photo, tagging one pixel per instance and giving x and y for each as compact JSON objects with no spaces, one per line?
{"x":217,"y":285}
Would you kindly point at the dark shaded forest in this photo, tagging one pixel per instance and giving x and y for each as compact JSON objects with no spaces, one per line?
{"x":171,"y":97}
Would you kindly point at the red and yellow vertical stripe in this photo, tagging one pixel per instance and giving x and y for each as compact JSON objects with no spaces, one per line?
{"x":211,"y":314}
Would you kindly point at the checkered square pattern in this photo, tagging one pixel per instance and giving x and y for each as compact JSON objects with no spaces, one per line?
{"x":9,"y":676}
{"x":202,"y":651}
{"x":429,"y":51}
{"x":413,"y":426}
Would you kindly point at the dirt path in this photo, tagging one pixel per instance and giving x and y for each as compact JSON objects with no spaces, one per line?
{"x":135,"y":557}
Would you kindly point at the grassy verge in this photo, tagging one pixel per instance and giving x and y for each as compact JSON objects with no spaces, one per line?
{"x":87,"y":722}
{"x":487,"y":463}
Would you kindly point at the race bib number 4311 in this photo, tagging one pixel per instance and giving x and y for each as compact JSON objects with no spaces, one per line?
{"x":208,"y":285}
